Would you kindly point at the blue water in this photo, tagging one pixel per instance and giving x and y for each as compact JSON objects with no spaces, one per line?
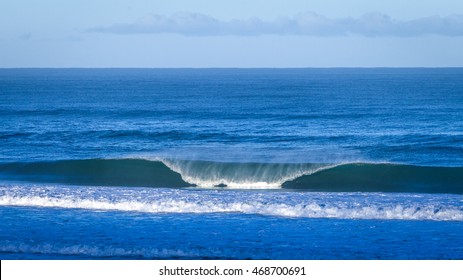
{"x":231,"y":163}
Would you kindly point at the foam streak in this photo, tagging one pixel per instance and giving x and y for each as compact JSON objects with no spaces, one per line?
{"x":293,"y":205}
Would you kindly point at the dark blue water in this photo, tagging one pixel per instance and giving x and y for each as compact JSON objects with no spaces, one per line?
{"x":70,"y":234}
{"x":169,"y":163}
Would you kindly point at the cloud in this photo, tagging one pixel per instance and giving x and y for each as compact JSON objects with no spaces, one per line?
{"x":25,"y":36}
{"x":304,"y":24}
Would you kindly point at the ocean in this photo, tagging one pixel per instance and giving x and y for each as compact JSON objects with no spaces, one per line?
{"x":348,"y":163}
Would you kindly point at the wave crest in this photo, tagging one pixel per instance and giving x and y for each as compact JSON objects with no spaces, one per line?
{"x":209,"y":174}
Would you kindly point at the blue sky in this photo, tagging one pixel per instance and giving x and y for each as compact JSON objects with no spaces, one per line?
{"x":180,"y":33}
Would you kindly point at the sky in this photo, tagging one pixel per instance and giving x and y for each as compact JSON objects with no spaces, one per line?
{"x":231,"y":33}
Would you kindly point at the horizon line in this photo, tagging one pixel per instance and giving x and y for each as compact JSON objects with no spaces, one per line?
{"x":253,"y":67}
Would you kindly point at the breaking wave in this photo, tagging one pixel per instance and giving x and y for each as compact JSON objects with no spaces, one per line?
{"x":365,"y":177}
{"x":282,"y":204}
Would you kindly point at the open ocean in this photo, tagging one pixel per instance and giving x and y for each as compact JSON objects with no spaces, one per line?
{"x":231,"y":163}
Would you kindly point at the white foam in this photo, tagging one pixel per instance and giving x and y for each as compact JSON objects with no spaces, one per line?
{"x":96,"y":251}
{"x":330,"y":209}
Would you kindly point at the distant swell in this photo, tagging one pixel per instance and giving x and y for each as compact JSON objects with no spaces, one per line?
{"x":365,"y":177}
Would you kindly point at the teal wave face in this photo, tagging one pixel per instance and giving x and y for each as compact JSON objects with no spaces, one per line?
{"x":349,"y":177}
{"x":369,"y":177}
{"x":96,"y":172}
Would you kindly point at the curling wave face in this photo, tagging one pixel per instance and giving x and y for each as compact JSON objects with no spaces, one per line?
{"x":240,"y":175}
{"x":365,"y":177}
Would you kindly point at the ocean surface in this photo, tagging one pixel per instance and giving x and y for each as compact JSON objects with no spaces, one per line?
{"x":231,"y":163}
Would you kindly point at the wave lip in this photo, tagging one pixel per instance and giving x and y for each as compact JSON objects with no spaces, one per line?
{"x":237,"y":175}
{"x":173,"y":173}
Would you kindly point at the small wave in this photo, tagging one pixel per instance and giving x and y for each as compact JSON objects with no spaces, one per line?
{"x":99,"y":251}
{"x":160,"y":172}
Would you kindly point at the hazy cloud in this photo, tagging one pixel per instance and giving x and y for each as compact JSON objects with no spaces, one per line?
{"x":25,"y":36}
{"x":73,"y":38}
{"x":304,"y":24}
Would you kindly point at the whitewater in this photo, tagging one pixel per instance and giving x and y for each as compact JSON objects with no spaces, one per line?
{"x":282,"y":204}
